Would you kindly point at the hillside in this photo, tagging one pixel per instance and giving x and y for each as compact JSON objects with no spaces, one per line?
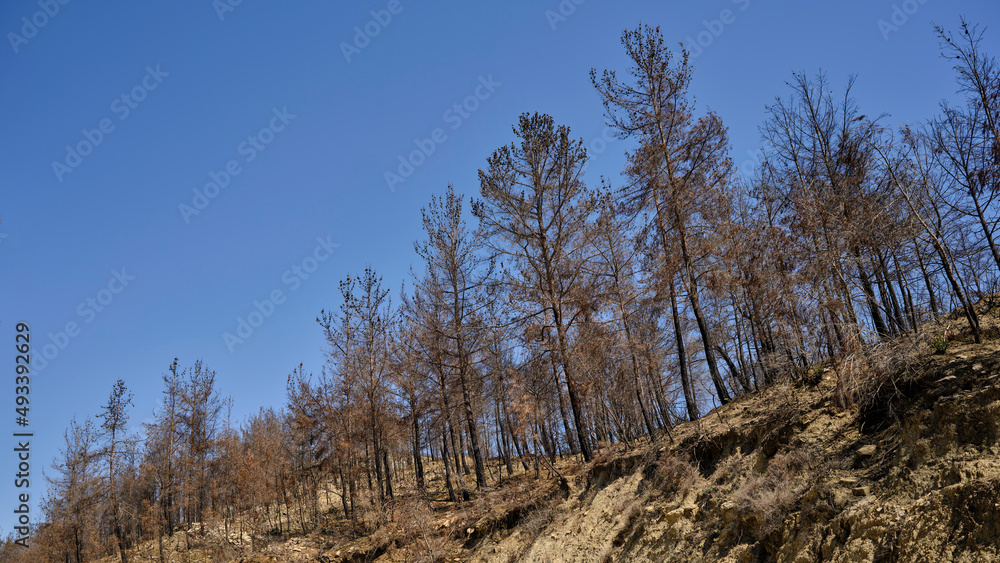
{"x":888,"y":456}
{"x":788,"y":475}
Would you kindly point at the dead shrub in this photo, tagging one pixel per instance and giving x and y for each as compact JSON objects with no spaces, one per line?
{"x":778,"y":367}
{"x":536,"y":521}
{"x":729,"y":469}
{"x":670,"y":476}
{"x":872,"y":372}
{"x":220,"y":552}
{"x":632,"y":525}
{"x":416,"y":520}
{"x":532,"y":526}
{"x":765,"y":500}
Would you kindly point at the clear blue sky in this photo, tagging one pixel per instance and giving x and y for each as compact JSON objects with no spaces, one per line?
{"x":267,"y":91}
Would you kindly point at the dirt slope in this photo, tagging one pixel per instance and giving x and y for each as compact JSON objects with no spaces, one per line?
{"x":788,"y":474}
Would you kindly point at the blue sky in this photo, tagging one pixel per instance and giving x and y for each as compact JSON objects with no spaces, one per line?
{"x":158,"y":100}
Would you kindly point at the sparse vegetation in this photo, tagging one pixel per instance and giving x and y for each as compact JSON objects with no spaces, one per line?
{"x":939,"y":343}
{"x":764,"y":501}
{"x":671,"y":476}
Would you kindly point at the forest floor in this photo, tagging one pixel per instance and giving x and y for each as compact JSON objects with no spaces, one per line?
{"x":892,"y":455}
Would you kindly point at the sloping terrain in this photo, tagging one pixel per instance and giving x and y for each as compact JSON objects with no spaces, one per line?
{"x":892,"y":455}
{"x":788,"y":474}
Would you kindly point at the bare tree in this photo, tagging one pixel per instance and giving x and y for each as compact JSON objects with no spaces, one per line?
{"x":456,"y":273}
{"x":681,"y":165}
{"x":617,"y":261}
{"x":117,"y":443}
{"x":536,"y":212}
{"x":161,"y":443}
{"x":73,"y":491}
{"x":966,"y":140}
{"x":199,"y":412}
{"x":360,"y":340}
{"x":913,"y":176}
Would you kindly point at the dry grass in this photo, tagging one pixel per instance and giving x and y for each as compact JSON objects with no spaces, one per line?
{"x":865,"y":374}
{"x":729,"y":469}
{"x":630,"y":521}
{"x":765,"y":500}
{"x":671,"y":476}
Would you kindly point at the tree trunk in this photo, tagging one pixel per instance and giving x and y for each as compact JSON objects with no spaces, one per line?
{"x":574,"y":400}
{"x":866,"y":286}
{"x":562,"y":403}
{"x":689,"y":400}
{"x":477,"y":456}
{"x":418,"y":462}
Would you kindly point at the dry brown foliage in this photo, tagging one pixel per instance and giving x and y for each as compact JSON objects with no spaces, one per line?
{"x":872,"y":370}
{"x":765,"y":500}
{"x":670,"y":476}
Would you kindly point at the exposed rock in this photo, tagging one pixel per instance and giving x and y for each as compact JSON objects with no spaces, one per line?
{"x":867,"y":451}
